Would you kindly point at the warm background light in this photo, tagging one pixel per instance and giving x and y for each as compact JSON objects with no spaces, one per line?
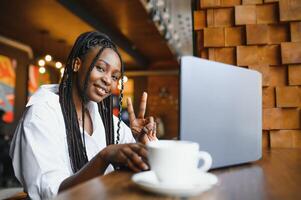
{"x":48,"y":58}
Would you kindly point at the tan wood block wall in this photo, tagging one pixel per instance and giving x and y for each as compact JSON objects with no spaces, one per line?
{"x":265,"y":71}
{"x":290,"y":10}
{"x":245,"y":2}
{"x":229,"y":3}
{"x":221,"y":17}
{"x":266,"y":37}
{"x":214,"y":37}
{"x":199,"y":19}
{"x":268,"y":97}
{"x":291,"y":52}
{"x":278,"y":33}
{"x":224,"y":55}
{"x":245,"y":14}
{"x":265,"y":139}
{"x":281,"y":118}
{"x":267,"y":14}
{"x":269,"y":55}
{"x":247,"y":55}
{"x":294,"y":74}
{"x":210,"y":3}
{"x":270,"y":1}
{"x":257,"y":34}
{"x":278,"y":76}
{"x":295,"y":31}
{"x":288,"y":96}
{"x":234,"y":36}
{"x":285,"y":139}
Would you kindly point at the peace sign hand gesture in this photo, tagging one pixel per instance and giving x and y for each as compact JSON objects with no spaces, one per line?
{"x":143,"y":129}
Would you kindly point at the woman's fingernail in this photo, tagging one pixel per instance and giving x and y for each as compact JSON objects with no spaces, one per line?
{"x":145,"y":167}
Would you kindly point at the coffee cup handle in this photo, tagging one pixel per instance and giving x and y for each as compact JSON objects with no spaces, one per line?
{"x":207,"y":161}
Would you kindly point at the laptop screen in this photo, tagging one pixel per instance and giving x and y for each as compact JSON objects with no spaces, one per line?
{"x":220,"y":108}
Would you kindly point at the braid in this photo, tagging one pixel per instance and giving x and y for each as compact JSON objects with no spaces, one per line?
{"x":120,"y":105}
{"x":76,"y":139}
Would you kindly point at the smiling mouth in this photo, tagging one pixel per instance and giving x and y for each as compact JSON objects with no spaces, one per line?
{"x":101,"y":90}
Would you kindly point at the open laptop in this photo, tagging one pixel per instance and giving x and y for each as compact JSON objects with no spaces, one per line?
{"x":220,"y":108}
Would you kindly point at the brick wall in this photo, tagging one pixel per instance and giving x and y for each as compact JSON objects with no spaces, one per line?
{"x":263,"y":35}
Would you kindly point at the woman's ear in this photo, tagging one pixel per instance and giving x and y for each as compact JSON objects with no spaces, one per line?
{"x":76,"y":64}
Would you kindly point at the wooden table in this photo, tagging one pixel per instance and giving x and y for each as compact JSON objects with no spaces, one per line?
{"x":276,"y":176}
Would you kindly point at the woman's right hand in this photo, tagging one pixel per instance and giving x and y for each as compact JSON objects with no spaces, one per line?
{"x":133,"y":156}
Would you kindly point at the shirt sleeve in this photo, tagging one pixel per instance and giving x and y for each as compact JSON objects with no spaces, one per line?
{"x":38,"y":153}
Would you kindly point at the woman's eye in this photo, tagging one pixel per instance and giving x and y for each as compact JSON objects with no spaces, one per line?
{"x":115,"y":78}
{"x":100,"y":68}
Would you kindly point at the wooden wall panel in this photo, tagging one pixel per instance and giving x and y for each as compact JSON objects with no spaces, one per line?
{"x":214,"y":37}
{"x":235,"y":36}
{"x":291,"y":52}
{"x":265,"y":71}
{"x":199,"y":19}
{"x":269,"y":1}
{"x":268,"y":97}
{"x":294,"y":74}
{"x":247,"y":55}
{"x":263,"y":35}
{"x":267,"y":14}
{"x":285,"y":139}
{"x":245,"y":14}
{"x":265,"y":139}
{"x":224,"y":55}
{"x":278,"y":33}
{"x":220,"y":17}
{"x":278,"y":76}
{"x":210,"y":3}
{"x":288,"y":96}
{"x":295,"y":31}
{"x":290,"y":10}
{"x":230,"y":3}
{"x":257,"y":34}
{"x":269,"y":55}
{"x":252,"y":2}
{"x":279,"y":118}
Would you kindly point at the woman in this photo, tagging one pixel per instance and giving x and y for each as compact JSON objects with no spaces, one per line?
{"x":68,"y":133}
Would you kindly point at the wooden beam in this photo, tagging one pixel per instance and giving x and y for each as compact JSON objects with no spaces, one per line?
{"x":117,"y":37}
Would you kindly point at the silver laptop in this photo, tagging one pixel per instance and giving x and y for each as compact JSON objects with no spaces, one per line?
{"x":220,"y":108}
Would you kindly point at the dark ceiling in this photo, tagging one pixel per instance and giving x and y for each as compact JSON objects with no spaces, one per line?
{"x":52,"y":26}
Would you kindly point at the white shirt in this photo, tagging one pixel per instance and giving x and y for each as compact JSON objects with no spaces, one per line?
{"x":39,"y":149}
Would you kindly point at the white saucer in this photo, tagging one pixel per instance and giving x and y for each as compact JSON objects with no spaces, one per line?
{"x":201,"y":182}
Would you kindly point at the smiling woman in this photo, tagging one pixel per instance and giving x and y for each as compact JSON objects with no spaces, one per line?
{"x":68,"y":133}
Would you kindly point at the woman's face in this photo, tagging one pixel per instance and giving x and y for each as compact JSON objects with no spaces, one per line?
{"x":104,"y":75}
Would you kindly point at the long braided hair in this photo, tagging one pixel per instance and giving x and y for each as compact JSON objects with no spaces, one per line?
{"x":76,"y":138}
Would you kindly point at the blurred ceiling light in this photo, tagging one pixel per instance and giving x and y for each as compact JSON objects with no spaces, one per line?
{"x":167,"y":35}
{"x":166,"y":15}
{"x":160,"y":3}
{"x":176,"y":36}
{"x":48,"y":58}
{"x":156,"y":16}
{"x":170,"y":26}
{"x":161,"y":27}
{"x":149,"y":6}
{"x":41,"y":63}
{"x":58,"y":65}
{"x":42,"y":70}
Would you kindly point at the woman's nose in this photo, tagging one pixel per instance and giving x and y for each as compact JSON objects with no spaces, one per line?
{"x":106,"y":79}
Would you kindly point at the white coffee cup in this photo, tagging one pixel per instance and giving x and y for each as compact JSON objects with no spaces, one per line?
{"x":176,"y":162}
